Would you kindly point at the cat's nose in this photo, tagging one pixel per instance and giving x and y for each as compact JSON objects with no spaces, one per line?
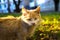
{"x":33,"y":23}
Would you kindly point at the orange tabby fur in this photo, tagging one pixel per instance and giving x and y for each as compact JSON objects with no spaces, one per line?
{"x":12,"y":28}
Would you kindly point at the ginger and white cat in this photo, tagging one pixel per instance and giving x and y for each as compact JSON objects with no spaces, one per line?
{"x":21,"y":27}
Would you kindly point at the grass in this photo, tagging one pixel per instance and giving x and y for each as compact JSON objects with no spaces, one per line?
{"x":49,"y":29}
{"x":6,"y":14}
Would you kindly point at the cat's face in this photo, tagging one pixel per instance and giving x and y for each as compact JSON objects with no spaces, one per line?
{"x":31,"y":17}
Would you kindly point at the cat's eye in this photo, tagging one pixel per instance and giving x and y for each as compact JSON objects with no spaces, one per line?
{"x":35,"y":18}
{"x":35,"y":11}
{"x":29,"y":19}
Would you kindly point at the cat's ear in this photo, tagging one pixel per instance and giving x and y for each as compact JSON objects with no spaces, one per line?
{"x":24,"y":11}
{"x":37,"y":9}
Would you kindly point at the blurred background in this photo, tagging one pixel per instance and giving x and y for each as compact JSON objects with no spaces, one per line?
{"x":49,"y":29}
{"x":16,"y":5}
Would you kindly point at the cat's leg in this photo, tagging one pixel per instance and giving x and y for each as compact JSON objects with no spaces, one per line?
{"x":20,"y":37}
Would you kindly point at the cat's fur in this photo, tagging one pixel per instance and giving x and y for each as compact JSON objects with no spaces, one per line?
{"x":12,"y":28}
